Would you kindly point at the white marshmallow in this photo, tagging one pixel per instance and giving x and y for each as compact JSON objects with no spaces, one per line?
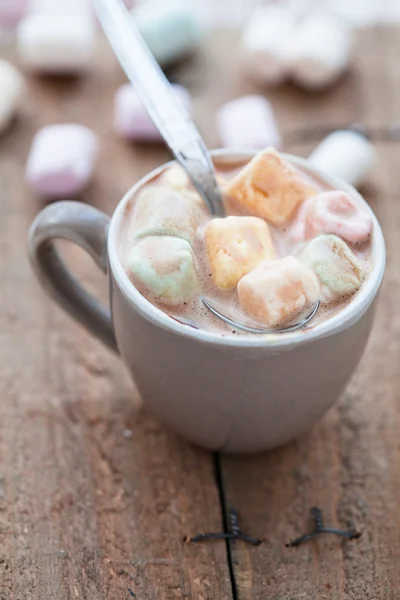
{"x":171,"y":29}
{"x":56,"y":43}
{"x":345,"y":154}
{"x":319,"y":52}
{"x":247,"y":122}
{"x":58,"y":7}
{"x":264,"y":43}
{"x":61,"y":160}
{"x":166,"y":212}
{"x":11,"y":89}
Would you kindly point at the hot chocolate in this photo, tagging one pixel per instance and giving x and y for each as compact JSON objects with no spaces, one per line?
{"x":288,"y":241}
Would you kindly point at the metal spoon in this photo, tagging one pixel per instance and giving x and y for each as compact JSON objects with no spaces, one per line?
{"x":170,"y":118}
{"x":259,"y":330}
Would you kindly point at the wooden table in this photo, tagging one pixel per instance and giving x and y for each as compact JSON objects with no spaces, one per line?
{"x":96,"y":495}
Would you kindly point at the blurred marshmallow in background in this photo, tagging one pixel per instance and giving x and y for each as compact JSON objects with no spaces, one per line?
{"x":264,"y":43}
{"x":57,"y":36}
{"x":131,"y":119}
{"x":58,"y":7}
{"x":171,"y":28}
{"x":11,"y":12}
{"x":247,"y":122}
{"x":61,"y":160}
{"x":11,"y":90}
{"x":346,"y":154}
{"x":312,"y":49}
{"x":319,"y":52}
{"x":57,"y":44}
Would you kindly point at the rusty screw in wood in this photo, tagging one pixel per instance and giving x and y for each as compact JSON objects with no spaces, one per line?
{"x":319,"y":528}
{"x":234,"y":534}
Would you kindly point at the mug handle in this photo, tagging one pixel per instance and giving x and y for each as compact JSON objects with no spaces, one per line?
{"x":88,"y":228}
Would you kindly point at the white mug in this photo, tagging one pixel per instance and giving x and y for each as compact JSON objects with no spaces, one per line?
{"x":232,"y":394}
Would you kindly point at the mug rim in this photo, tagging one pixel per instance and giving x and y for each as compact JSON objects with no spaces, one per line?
{"x":338,"y":322}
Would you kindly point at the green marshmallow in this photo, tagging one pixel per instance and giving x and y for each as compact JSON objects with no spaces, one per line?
{"x":164,"y":267}
{"x":162,"y":211}
{"x":340,"y":271}
{"x":170,"y":29}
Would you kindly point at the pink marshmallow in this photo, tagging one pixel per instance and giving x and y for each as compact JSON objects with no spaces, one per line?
{"x":12,"y":11}
{"x":61,"y":160}
{"x":332,"y":212}
{"x":247,"y":122}
{"x":132,"y":121}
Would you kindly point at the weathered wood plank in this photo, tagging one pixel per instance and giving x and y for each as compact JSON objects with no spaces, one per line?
{"x":348,"y":465}
{"x":95,"y":495}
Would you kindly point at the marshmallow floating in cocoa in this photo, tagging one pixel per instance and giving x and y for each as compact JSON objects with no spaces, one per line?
{"x":11,"y":90}
{"x":170,"y":28}
{"x":332,"y":212}
{"x":247,"y":122}
{"x":61,"y":160}
{"x":165,"y":267}
{"x":235,"y":245}
{"x":162,"y":211}
{"x":339,"y":270}
{"x":56,"y":43}
{"x":269,"y":187}
{"x":346,"y":154}
{"x":131,"y":119}
{"x":264,"y":44}
{"x":276,"y":292}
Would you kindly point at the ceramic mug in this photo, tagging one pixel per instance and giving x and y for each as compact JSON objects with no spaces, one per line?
{"x":233,"y":394}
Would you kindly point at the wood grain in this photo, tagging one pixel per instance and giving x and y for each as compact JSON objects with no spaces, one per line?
{"x":96,"y":496}
{"x":348,"y":464}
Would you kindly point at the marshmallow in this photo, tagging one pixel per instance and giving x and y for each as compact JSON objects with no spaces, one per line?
{"x":278,"y":291}
{"x":61,"y":160}
{"x":235,"y":245}
{"x":346,"y":154}
{"x":58,"y":7}
{"x":269,"y":187}
{"x":171,"y":29}
{"x":247,"y":122}
{"x":319,"y":51}
{"x":11,"y":12}
{"x":332,"y":212}
{"x":162,"y":211}
{"x":165,"y":267}
{"x":11,"y":89}
{"x":131,"y":119}
{"x":264,"y":42}
{"x":339,"y":270}
{"x":176,"y":178}
{"x":56,"y":43}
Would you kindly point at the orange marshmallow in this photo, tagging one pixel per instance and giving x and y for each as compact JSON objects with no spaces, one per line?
{"x":235,"y":245}
{"x":276,"y":292}
{"x":269,"y":187}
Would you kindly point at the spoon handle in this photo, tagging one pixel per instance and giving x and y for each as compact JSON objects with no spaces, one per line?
{"x":172,"y":121}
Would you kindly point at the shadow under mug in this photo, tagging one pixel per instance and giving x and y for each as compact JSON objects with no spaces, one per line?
{"x":233,"y":394}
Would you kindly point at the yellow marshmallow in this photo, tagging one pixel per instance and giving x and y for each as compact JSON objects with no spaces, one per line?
{"x":235,"y":245}
{"x":269,"y":187}
{"x":276,"y":292}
